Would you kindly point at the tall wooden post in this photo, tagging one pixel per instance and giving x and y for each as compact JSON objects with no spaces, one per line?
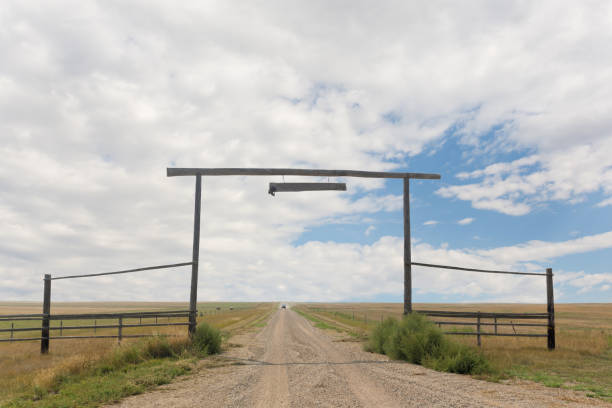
{"x":193,"y":299}
{"x":407,"y":255}
{"x":550,"y":303}
{"x":44,"y":335}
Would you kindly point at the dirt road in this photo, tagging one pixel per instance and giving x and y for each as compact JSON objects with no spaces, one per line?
{"x":292,"y":364}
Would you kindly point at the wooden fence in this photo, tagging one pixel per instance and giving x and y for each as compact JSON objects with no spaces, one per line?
{"x":495,"y":321}
{"x":484,"y":323}
{"x":122,"y":319}
{"x":549,"y":316}
{"x":119,"y":321}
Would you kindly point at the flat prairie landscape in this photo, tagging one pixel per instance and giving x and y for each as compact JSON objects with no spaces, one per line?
{"x":23,"y":368}
{"x":582,"y":359}
{"x":312,"y":355}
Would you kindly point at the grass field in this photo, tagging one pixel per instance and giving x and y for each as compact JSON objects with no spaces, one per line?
{"x":24,"y":369}
{"x":581,"y":361}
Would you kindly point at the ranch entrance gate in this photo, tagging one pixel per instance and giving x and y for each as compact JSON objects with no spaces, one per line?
{"x":198,"y":173}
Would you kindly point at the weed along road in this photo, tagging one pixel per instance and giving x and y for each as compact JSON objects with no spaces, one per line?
{"x":290,"y":363}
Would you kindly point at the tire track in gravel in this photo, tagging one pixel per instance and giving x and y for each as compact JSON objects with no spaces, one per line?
{"x":292,"y":364}
{"x":367,"y":392}
{"x":272,"y":388}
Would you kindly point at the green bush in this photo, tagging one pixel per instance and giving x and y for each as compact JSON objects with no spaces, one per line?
{"x":158,"y":347}
{"x":380,"y":334}
{"x":207,"y":339}
{"x":415,"y":339}
{"x":460,"y":359}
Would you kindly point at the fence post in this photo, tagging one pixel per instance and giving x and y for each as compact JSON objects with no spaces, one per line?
{"x":550,"y":302}
{"x":12,"y":327}
{"x":61,"y":327}
{"x":478,"y":328}
{"x":193,"y":297}
{"x":119,"y":335}
{"x":495,"y":319}
{"x":95,"y":325}
{"x":44,"y":335}
{"x":407,"y":248}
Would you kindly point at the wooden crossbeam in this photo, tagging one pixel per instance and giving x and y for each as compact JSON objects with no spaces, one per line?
{"x":174,"y":172}
{"x":277,"y":187}
{"x":199,"y":172}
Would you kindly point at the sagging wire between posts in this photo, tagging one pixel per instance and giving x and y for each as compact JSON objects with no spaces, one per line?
{"x":476,"y":270}
{"x":148,"y":268}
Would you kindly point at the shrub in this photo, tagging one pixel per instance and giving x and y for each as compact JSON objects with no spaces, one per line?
{"x":158,"y":347}
{"x":380,"y":334}
{"x":460,"y":359}
{"x":207,"y":339}
{"x":417,"y":340}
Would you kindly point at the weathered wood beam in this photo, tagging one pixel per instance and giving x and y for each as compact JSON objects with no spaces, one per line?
{"x":174,"y":172}
{"x":550,"y":301}
{"x":407,"y":250}
{"x":44,"y":334}
{"x":193,"y":296}
{"x":294,"y":187}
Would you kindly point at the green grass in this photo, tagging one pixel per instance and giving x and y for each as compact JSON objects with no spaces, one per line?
{"x":127,"y":370}
{"x":22,"y":365}
{"x":336,"y":325}
{"x":261,"y":321}
{"x":417,"y":340}
{"x":92,"y":390}
{"x":318,"y":323}
{"x":207,"y":340}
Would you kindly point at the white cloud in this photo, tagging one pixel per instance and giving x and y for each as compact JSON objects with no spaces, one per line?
{"x":514,"y":188}
{"x":94,"y":107}
{"x":532,"y":256}
{"x":430,"y":222}
{"x":605,"y":203}
{"x":588,"y":282}
{"x":540,"y":250}
{"x":369,"y":230}
{"x":465,"y":221}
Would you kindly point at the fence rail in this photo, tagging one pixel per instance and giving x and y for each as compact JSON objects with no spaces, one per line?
{"x":549,"y":315}
{"x":444,"y":313}
{"x":46,"y":316}
{"x":495,"y":324}
{"x":120,"y":325}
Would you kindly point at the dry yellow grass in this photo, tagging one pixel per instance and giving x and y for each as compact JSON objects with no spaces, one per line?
{"x":22,"y":365}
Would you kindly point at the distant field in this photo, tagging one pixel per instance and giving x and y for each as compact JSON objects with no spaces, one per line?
{"x":582,"y":360}
{"x":218,"y":313}
{"x":23,"y":365}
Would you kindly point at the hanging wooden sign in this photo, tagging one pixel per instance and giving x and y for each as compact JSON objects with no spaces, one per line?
{"x":277,"y":187}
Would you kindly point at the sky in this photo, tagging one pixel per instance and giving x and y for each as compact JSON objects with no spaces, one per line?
{"x":508,"y":101}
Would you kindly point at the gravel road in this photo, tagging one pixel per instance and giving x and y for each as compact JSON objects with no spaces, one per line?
{"x":292,"y":364}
